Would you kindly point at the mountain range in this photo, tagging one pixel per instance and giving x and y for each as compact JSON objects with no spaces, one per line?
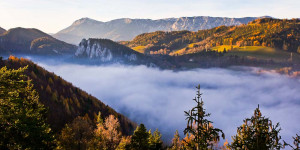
{"x":152,"y":49}
{"x":126,"y":29}
{"x":32,"y":41}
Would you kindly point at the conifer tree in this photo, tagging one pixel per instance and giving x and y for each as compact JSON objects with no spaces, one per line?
{"x":257,"y":132}
{"x":176,"y":143}
{"x":140,"y":138}
{"x":204,"y":133}
{"x":296,"y":143}
{"x":155,"y":142}
{"x":22,"y":117}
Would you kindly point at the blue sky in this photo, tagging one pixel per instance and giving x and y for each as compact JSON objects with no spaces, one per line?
{"x":53,"y":15}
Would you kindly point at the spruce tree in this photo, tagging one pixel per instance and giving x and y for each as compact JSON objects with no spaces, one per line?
{"x":296,"y":143}
{"x":257,"y":132}
{"x":22,"y":116}
{"x":140,"y":138}
{"x":204,"y":133}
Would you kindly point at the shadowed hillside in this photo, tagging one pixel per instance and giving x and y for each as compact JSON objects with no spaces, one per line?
{"x":64,"y":101}
{"x":33,"y":41}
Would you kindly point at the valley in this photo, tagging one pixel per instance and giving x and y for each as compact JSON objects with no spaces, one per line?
{"x":158,"y":98}
{"x":119,"y":74}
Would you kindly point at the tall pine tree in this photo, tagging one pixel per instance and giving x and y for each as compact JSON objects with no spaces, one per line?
{"x":22,"y":117}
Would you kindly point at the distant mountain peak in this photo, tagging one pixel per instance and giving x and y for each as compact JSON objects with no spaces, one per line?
{"x":85,"y":20}
{"x":127,"y":20}
{"x":2,"y":30}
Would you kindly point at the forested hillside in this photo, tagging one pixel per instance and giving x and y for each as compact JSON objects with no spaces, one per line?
{"x":33,"y":41}
{"x":268,"y":32}
{"x":64,"y":101}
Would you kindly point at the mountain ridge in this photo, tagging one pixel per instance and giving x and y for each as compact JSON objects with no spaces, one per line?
{"x":127,"y":28}
{"x":31,"y":40}
{"x":2,"y":30}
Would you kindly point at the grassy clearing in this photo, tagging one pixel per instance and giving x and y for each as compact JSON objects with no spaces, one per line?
{"x":140,"y":49}
{"x":266,"y":53}
{"x":222,"y":47}
{"x":255,"y":48}
{"x":191,"y":45}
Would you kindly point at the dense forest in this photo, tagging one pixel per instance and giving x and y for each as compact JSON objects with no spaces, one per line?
{"x":269,"y":32}
{"x":63,"y":100}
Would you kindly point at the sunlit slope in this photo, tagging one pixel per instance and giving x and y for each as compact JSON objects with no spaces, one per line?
{"x":140,"y":49}
{"x":280,"y":34}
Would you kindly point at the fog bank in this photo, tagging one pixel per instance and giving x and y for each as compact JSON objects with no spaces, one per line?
{"x":159,"y":98}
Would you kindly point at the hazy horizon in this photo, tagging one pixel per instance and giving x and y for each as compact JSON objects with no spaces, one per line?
{"x":55,"y":15}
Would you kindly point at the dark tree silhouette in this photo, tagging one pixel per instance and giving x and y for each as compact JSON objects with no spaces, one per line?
{"x":296,"y":143}
{"x":205,"y":134}
{"x":257,"y":132}
{"x":140,"y":138}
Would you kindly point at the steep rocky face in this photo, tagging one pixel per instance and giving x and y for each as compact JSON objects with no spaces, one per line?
{"x":105,"y":50}
{"x":127,"y":29}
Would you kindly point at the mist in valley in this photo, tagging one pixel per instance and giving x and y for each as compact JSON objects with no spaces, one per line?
{"x":158,"y":98}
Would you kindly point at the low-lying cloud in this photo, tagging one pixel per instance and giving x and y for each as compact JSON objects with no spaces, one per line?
{"x":159,"y":98}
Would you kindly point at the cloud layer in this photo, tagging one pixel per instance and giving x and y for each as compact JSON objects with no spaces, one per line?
{"x":159,"y":98}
